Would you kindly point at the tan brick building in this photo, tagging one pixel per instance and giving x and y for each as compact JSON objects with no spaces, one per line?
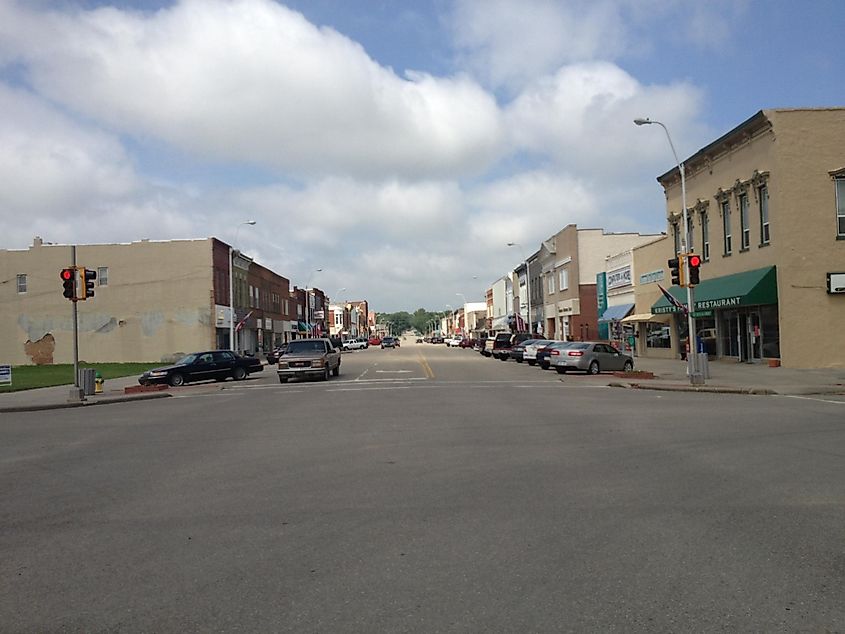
{"x":153,"y":300}
{"x":766,"y":207}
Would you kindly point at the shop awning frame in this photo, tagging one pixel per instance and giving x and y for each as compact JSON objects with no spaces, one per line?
{"x":747,"y":288}
{"x":616,"y":313}
{"x":644,"y":317}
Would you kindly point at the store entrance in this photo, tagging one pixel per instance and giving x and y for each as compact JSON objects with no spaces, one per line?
{"x":742,"y":335}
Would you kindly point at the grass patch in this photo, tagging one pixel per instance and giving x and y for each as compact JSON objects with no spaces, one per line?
{"x":27,"y":377}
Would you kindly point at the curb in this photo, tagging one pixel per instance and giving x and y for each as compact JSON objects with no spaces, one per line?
{"x":714,"y":389}
{"x":106,"y":401}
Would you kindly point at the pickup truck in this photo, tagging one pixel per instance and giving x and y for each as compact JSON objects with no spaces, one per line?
{"x":309,"y":358}
{"x":494,"y":345}
{"x":355,"y":344}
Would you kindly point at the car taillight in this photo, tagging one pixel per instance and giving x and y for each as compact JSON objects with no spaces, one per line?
{"x":555,"y":352}
{"x":575,"y":353}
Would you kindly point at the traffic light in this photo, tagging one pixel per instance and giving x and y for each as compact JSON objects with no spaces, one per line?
{"x":676,"y":268}
{"x":694,"y":263}
{"x":87,"y":277}
{"x":68,"y":276}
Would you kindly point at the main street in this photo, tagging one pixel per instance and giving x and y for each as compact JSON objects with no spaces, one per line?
{"x":426,"y":489}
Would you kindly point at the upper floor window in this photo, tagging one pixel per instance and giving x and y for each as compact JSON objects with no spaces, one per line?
{"x":690,"y":241}
{"x":840,"y":208}
{"x":22,"y":283}
{"x":705,"y":237}
{"x":726,"y":225}
{"x":745,"y":235}
{"x":551,"y":284}
{"x":763,"y":201}
{"x":102,"y":276}
{"x":676,"y":236}
{"x":564,"y":279}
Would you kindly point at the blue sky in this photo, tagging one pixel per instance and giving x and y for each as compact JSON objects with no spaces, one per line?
{"x":396,"y":145}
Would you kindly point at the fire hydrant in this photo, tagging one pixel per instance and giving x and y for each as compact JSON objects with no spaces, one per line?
{"x":98,"y":383}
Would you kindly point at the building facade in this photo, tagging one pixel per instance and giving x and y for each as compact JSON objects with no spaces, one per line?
{"x":766,"y":209}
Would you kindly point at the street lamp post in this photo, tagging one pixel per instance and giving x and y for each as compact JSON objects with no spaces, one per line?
{"x":527,"y":283}
{"x":695,"y":375}
{"x":466,"y":317}
{"x":232,"y":345}
{"x":449,"y":318}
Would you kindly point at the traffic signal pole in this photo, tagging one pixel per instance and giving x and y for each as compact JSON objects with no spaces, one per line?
{"x":696,"y":377}
{"x":75,"y":392}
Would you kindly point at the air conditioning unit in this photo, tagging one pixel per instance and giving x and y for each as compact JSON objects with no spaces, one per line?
{"x":835,"y":283}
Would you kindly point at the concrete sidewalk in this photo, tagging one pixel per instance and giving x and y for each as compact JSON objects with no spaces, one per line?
{"x":744,"y":378}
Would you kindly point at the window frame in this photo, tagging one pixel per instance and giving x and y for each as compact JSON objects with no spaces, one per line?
{"x":705,"y":237}
{"x":840,"y":206}
{"x":551,"y":284}
{"x":763,"y":206}
{"x":727,"y":242}
{"x":21,"y":283}
{"x":563,"y":279}
{"x":690,"y":233}
{"x":744,"y":222}
{"x":102,"y":276}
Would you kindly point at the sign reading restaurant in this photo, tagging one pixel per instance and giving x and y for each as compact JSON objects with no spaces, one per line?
{"x":707,"y":304}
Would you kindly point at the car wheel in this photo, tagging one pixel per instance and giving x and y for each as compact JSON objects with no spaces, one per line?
{"x":239,"y":374}
{"x":519,"y":360}
{"x":561,"y":370}
{"x":336,"y":370}
{"x":326,"y":375}
{"x":532,"y":363}
{"x":629,"y":365}
{"x":283,"y":379}
{"x":594,"y":367}
{"x":176,"y":380}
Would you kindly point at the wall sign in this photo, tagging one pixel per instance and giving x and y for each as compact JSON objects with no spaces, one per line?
{"x":651,"y":277}
{"x":619,"y":277}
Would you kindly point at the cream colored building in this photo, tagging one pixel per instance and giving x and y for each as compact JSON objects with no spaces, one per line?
{"x":153,"y":301}
{"x":766,"y":204}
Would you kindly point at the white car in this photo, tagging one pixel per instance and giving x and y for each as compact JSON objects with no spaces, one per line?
{"x":355,"y":344}
{"x":530,"y":354}
{"x":455,"y":342}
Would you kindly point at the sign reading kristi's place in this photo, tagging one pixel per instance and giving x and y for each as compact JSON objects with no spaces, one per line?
{"x":707,"y":304}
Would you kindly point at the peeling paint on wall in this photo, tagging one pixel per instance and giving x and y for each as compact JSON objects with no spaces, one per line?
{"x":37,"y":327}
{"x":41,"y":352}
{"x":151,"y":322}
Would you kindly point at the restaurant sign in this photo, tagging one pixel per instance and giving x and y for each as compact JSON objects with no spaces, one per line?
{"x":707,"y":304}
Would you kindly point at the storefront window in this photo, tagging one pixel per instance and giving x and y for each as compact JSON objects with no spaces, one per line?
{"x":770,"y":331}
{"x":657,"y":336}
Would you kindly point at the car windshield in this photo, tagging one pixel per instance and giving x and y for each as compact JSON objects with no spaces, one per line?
{"x":299,"y":347}
{"x":187,"y":359}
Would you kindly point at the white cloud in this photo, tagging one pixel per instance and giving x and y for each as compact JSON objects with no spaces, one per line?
{"x":252,"y":81}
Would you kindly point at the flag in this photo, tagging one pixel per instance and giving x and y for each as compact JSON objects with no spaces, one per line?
{"x":243,"y":321}
{"x":672,"y":300}
{"x":520,"y":323}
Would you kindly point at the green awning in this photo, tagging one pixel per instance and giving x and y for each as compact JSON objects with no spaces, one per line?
{"x":749,"y":288}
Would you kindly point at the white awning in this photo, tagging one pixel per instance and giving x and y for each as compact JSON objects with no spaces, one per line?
{"x":644,"y":317}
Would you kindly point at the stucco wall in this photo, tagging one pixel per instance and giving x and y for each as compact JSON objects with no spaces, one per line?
{"x":158,"y":302}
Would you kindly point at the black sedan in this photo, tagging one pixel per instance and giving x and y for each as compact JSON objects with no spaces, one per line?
{"x":217,"y":365}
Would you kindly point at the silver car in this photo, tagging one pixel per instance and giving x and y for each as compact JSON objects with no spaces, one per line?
{"x":591,"y":357}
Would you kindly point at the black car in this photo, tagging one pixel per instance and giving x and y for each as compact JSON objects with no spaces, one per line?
{"x":217,"y":365}
{"x":273,"y":355}
{"x":389,"y":342}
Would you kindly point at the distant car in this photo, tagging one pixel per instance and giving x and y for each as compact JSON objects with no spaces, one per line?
{"x":531,"y":348}
{"x":437,"y":339}
{"x":309,"y":358}
{"x":419,"y":340}
{"x":544,"y":353}
{"x":493,"y":345}
{"x":389,"y":342}
{"x":275,"y":353}
{"x":216,"y":365}
{"x":374,"y":341}
{"x":355,"y":344}
{"x":455,"y":342}
{"x":592,"y":357}
{"x":518,"y":343}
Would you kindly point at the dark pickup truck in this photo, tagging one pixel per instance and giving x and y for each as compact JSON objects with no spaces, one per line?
{"x":500,"y":347}
{"x":316,"y":358}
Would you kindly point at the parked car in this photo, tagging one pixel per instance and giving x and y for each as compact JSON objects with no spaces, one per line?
{"x":437,"y":339}
{"x":468,"y":343}
{"x":355,"y":344}
{"x":496,"y":343}
{"x":419,"y":340}
{"x":531,"y":348}
{"x":502,"y":352}
{"x":389,"y":342}
{"x":480,"y":344}
{"x":545,"y":352}
{"x":309,"y":358}
{"x":518,"y":347}
{"x":275,"y":353}
{"x":455,"y":342}
{"x":216,"y":365}
{"x":591,"y":357}
{"x":374,"y":341}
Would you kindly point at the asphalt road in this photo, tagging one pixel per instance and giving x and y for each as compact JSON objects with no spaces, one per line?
{"x":425,"y":490}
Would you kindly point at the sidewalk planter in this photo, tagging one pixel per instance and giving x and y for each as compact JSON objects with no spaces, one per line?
{"x":634,"y":374}
{"x":138,"y":389}
{"x":774,"y":363}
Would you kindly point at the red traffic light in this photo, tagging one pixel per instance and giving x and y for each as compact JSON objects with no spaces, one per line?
{"x":695,"y":260}
{"x":67,"y":274}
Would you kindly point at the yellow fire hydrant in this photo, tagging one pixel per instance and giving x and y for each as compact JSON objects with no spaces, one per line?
{"x":98,"y":383}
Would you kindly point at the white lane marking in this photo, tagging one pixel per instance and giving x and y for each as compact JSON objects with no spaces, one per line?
{"x":393,"y":371}
{"x":358,"y":378}
{"x":369,"y":388}
{"x":810,"y":398}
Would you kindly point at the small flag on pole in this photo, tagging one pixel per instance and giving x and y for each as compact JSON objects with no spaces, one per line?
{"x":672,"y":300}
{"x":243,"y":321}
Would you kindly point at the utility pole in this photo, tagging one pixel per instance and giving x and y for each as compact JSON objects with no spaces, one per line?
{"x":76,"y":394}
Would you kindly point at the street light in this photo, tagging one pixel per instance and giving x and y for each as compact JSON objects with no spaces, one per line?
{"x":527,"y":283}
{"x":466,"y":320}
{"x":695,"y":376}
{"x":232,"y":345}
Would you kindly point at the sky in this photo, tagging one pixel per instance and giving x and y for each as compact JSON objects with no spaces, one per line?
{"x":399,"y":145}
